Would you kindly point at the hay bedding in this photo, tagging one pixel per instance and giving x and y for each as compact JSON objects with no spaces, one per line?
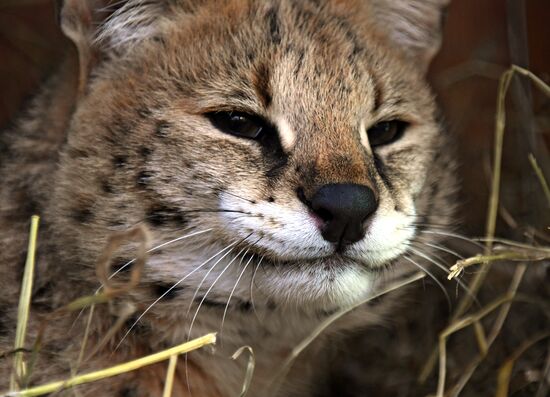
{"x":393,"y":359}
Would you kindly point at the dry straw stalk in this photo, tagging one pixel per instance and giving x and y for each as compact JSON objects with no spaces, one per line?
{"x":19,"y":367}
{"x":117,"y":369}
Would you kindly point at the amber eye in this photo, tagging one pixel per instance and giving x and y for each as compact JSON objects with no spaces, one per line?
{"x":238,"y":124}
{"x":386,"y":132}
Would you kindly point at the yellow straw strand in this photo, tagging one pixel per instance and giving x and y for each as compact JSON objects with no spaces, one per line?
{"x":117,"y":369}
{"x":19,"y":367}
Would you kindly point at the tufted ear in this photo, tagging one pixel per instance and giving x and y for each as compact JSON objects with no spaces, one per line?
{"x":414,"y":25}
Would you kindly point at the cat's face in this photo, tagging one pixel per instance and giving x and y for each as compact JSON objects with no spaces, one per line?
{"x":294,"y":138}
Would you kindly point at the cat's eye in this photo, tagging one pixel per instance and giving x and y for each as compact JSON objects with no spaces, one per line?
{"x":386,"y":132}
{"x":238,"y":124}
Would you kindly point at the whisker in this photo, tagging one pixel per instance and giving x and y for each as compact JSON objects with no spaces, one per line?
{"x":508,"y":242}
{"x":252,"y":285}
{"x":432,"y":277}
{"x":218,"y":210}
{"x":459,"y":282}
{"x":233,"y":290}
{"x":170,"y":289}
{"x":454,"y":235}
{"x":157,"y":248}
{"x":445,"y":226}
{"x":208,"y":291}
{"x":204,"y":298}
{"x":210,"y":270}
{"x":236,"y":196}
{"x":442,"y":248}
{"x":206,"y":276}
{"x":153,"y":249}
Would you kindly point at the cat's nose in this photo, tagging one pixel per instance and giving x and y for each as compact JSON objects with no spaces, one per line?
{"x":343,"y":207}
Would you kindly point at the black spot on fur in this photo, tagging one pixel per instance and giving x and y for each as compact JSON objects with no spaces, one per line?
{"x":274,"y":28}
{"x":210,"y":303}
{"x":28,"y":206}
{"x":120,"y":128}
{"x":145,"y":152}
{"x":171,"y":293}
{"x":245,"y":306}
{"x":115,"y":222}
{"x":161,"y":215}
{"x":160,"y":40}
{"x":299,"y":63}
{"x":121,"y":265}
{"x":41,"y":298}
{"x":128,"y":392}
{"x":251,"y":55}
{"x":140,"y":328}
{"x":4,"y":326}
{"x":162,"y":129}
{"x":326,"y":313}
{"x":6,"y":152}
{"x":270,"y":199}
{"x":144,"y":112}
{"x":144,"y":178}
{"x":82,"y":215}
{"x":120,"y":161}
{"x":106,"y":187}
{"x":262,"y":84}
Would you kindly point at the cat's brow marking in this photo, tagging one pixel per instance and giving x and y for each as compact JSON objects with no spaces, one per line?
{"x":286,"y":134}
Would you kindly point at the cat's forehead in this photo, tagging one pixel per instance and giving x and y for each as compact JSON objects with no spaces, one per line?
{"x":244,"y":49}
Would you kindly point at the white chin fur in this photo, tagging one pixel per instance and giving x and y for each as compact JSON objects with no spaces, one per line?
{"x":316,"y":286}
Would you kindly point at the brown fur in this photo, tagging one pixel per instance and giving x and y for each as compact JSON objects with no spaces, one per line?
{"x":118,"y":137}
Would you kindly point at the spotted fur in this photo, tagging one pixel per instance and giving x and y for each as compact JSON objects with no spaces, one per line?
{"x":118,"y":137}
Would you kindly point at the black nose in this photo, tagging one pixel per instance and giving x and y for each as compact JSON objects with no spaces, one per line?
{"x":344,"y":207}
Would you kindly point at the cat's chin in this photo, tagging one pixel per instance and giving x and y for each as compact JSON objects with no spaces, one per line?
{"x":324,"y":283}
{"x":371,"y":262}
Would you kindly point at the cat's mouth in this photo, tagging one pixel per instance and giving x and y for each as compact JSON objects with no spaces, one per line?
{"x":335,"y":260}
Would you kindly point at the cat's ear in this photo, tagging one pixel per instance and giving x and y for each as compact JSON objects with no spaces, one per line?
{"x":414,"y":25}
{"x":99,"y":28}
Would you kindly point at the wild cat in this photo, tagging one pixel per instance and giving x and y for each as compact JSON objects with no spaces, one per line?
{"x":291,"y":152}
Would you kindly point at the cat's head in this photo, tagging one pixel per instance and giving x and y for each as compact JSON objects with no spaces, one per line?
{"x":291,"y":140}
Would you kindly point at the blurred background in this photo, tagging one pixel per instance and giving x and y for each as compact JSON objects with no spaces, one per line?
{"x":482,"y":39}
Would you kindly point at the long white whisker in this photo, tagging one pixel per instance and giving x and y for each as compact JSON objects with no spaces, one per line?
{"x":454,"y":235}
{"x":159,"y":247}
{"x":169,"y":290}
{"x":233,"y":290}
{"x":442,"y":248}
{"x":210,"y":289}
{"x":446,"y":270}
{"x":252,"y":285}
{"x":206,"y":276}
{"x":153,"y":249}
{"x":432,"y":276}
{"x":202,"y":301}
